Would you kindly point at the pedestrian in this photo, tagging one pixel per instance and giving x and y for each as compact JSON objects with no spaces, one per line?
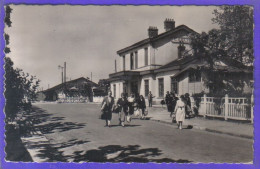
{"x":168,"y":100}
{"x":180,"y":111}
{"x":173,"y":100}
{"x":142,"y":106}
{"x":107,"y":108}
{"x":131,"y":102}
{"x":188,"y":105}
{"x":150,"y":99}
{"x":122,"y":104}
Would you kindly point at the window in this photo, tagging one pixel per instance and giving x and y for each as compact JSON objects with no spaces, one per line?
{"x":194,"y":76}
{"x":131,"y":61}
{"x":161,"y":87}
{"x":114,"y":86}
{"x":124,"y":62}
{"x":145,"y":56}
{"x":146,"y":88}
{"x":174,"y":85}
{"x":136,"y":59}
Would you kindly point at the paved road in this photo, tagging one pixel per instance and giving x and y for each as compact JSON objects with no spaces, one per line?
{"x":75,"y":134}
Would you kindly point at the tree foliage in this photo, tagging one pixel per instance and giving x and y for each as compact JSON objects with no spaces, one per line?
{"x":20,"y":89}
{"x":236,"y":31}
{"x":232,"y":41}
{"x":7,"y":20}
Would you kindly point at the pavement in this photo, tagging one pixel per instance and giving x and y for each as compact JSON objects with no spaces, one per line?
{"x":232,"y":128}
{"x":60,"y":127}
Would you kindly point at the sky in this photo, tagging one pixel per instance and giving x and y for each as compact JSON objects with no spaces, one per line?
{"x":42,"y":37}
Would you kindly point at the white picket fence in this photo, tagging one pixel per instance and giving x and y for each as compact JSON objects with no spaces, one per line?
{"x":237,"y":108}
{"x":98,"y":99}
{"x":73,"y":100}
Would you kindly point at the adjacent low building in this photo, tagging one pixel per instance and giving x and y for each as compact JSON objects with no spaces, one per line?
{"x":76,"y":88}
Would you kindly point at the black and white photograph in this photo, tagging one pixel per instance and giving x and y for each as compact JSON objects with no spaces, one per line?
{"x":131,"y":84}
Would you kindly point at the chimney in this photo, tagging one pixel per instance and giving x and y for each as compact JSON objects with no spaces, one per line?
{"x":169,"y":24}
{"x":152,"y":31}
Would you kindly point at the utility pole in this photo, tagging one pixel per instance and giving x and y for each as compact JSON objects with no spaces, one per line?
{"x":91,"y":76}
{"x":60,"y":67}
{"x":65,"y":69}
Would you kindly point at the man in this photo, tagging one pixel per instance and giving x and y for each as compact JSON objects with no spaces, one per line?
{"x":106,"y":108}
{"x":122,"y":104}
{"x":150,"y":99}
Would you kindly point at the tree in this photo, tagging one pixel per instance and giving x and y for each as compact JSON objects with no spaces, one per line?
{"x":232,"y":41}
{"x":236,"y":29}
{"x":20,"y":87}
{"x":8,"y":11}
{"x":20,"y":90}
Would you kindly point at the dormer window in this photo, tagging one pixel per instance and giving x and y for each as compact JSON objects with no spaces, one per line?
{"x":194,"y":76}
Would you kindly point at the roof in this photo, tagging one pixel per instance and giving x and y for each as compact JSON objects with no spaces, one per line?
{"x":156,"y":38}
{"x":69,"y":82}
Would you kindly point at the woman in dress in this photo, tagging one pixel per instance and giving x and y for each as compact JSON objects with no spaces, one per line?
{"x":180,"y":111}
{"x":131,"y":102}
{"x":107,"y":106}
{"x":142,"y":105}
{"x":122,"y":104}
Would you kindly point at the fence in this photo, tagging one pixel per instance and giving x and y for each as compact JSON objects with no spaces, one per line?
{"x":237,"y":108}
{"x":73,"y":100}
{"x":98,"y":99}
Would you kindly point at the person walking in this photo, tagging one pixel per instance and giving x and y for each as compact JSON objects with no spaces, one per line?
{"x":122,"y":104}
{"x":131,"y":102}
{"x":142,"y":106}
{"x":180,"y":111}
{"x":107,"y":106}
{"x":174,"y":100}
{"x":150,"y":99}
{"x":188,"y":105}
{"x":168,"y":100}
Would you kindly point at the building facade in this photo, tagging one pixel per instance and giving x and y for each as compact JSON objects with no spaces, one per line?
{"x":162,"y":62}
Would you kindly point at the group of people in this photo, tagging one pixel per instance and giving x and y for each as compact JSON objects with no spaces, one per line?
{"x":125,"y":107}
{"x":179,"y":108}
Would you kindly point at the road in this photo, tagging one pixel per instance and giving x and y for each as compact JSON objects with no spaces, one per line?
{"x":76,"y":134}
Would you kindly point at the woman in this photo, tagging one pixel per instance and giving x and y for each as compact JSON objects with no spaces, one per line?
{"x":188,"y":105}
{"x":131,"y":102}
{"x":122,"y":104}
{"x":170,"y":104}
{"x":180,"y":111}
{"x":107,"y":106}
{"x":142,"y":106}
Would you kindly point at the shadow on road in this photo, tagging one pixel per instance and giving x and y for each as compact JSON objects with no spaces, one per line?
{"x":41,"y":120}
{"x":53,"y":152}
{"x":117,"y":153}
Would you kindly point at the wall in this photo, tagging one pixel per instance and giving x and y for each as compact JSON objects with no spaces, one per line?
{"x":119,"y":88}
{"x":141,"y":59}
{"x":190,"y":87}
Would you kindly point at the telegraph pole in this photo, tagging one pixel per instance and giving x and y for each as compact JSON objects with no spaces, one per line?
{"x":60,"y":67}
{"x":91,"y":76}
{"x":65,"y":72}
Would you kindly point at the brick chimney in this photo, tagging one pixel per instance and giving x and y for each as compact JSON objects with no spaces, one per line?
{"x":169,"y":24}
{"x":152,"y":31}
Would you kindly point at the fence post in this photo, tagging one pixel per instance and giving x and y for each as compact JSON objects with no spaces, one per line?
{"x":226,"y":107}
{"x":252,"y":108}
{"x":204,"y":105}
